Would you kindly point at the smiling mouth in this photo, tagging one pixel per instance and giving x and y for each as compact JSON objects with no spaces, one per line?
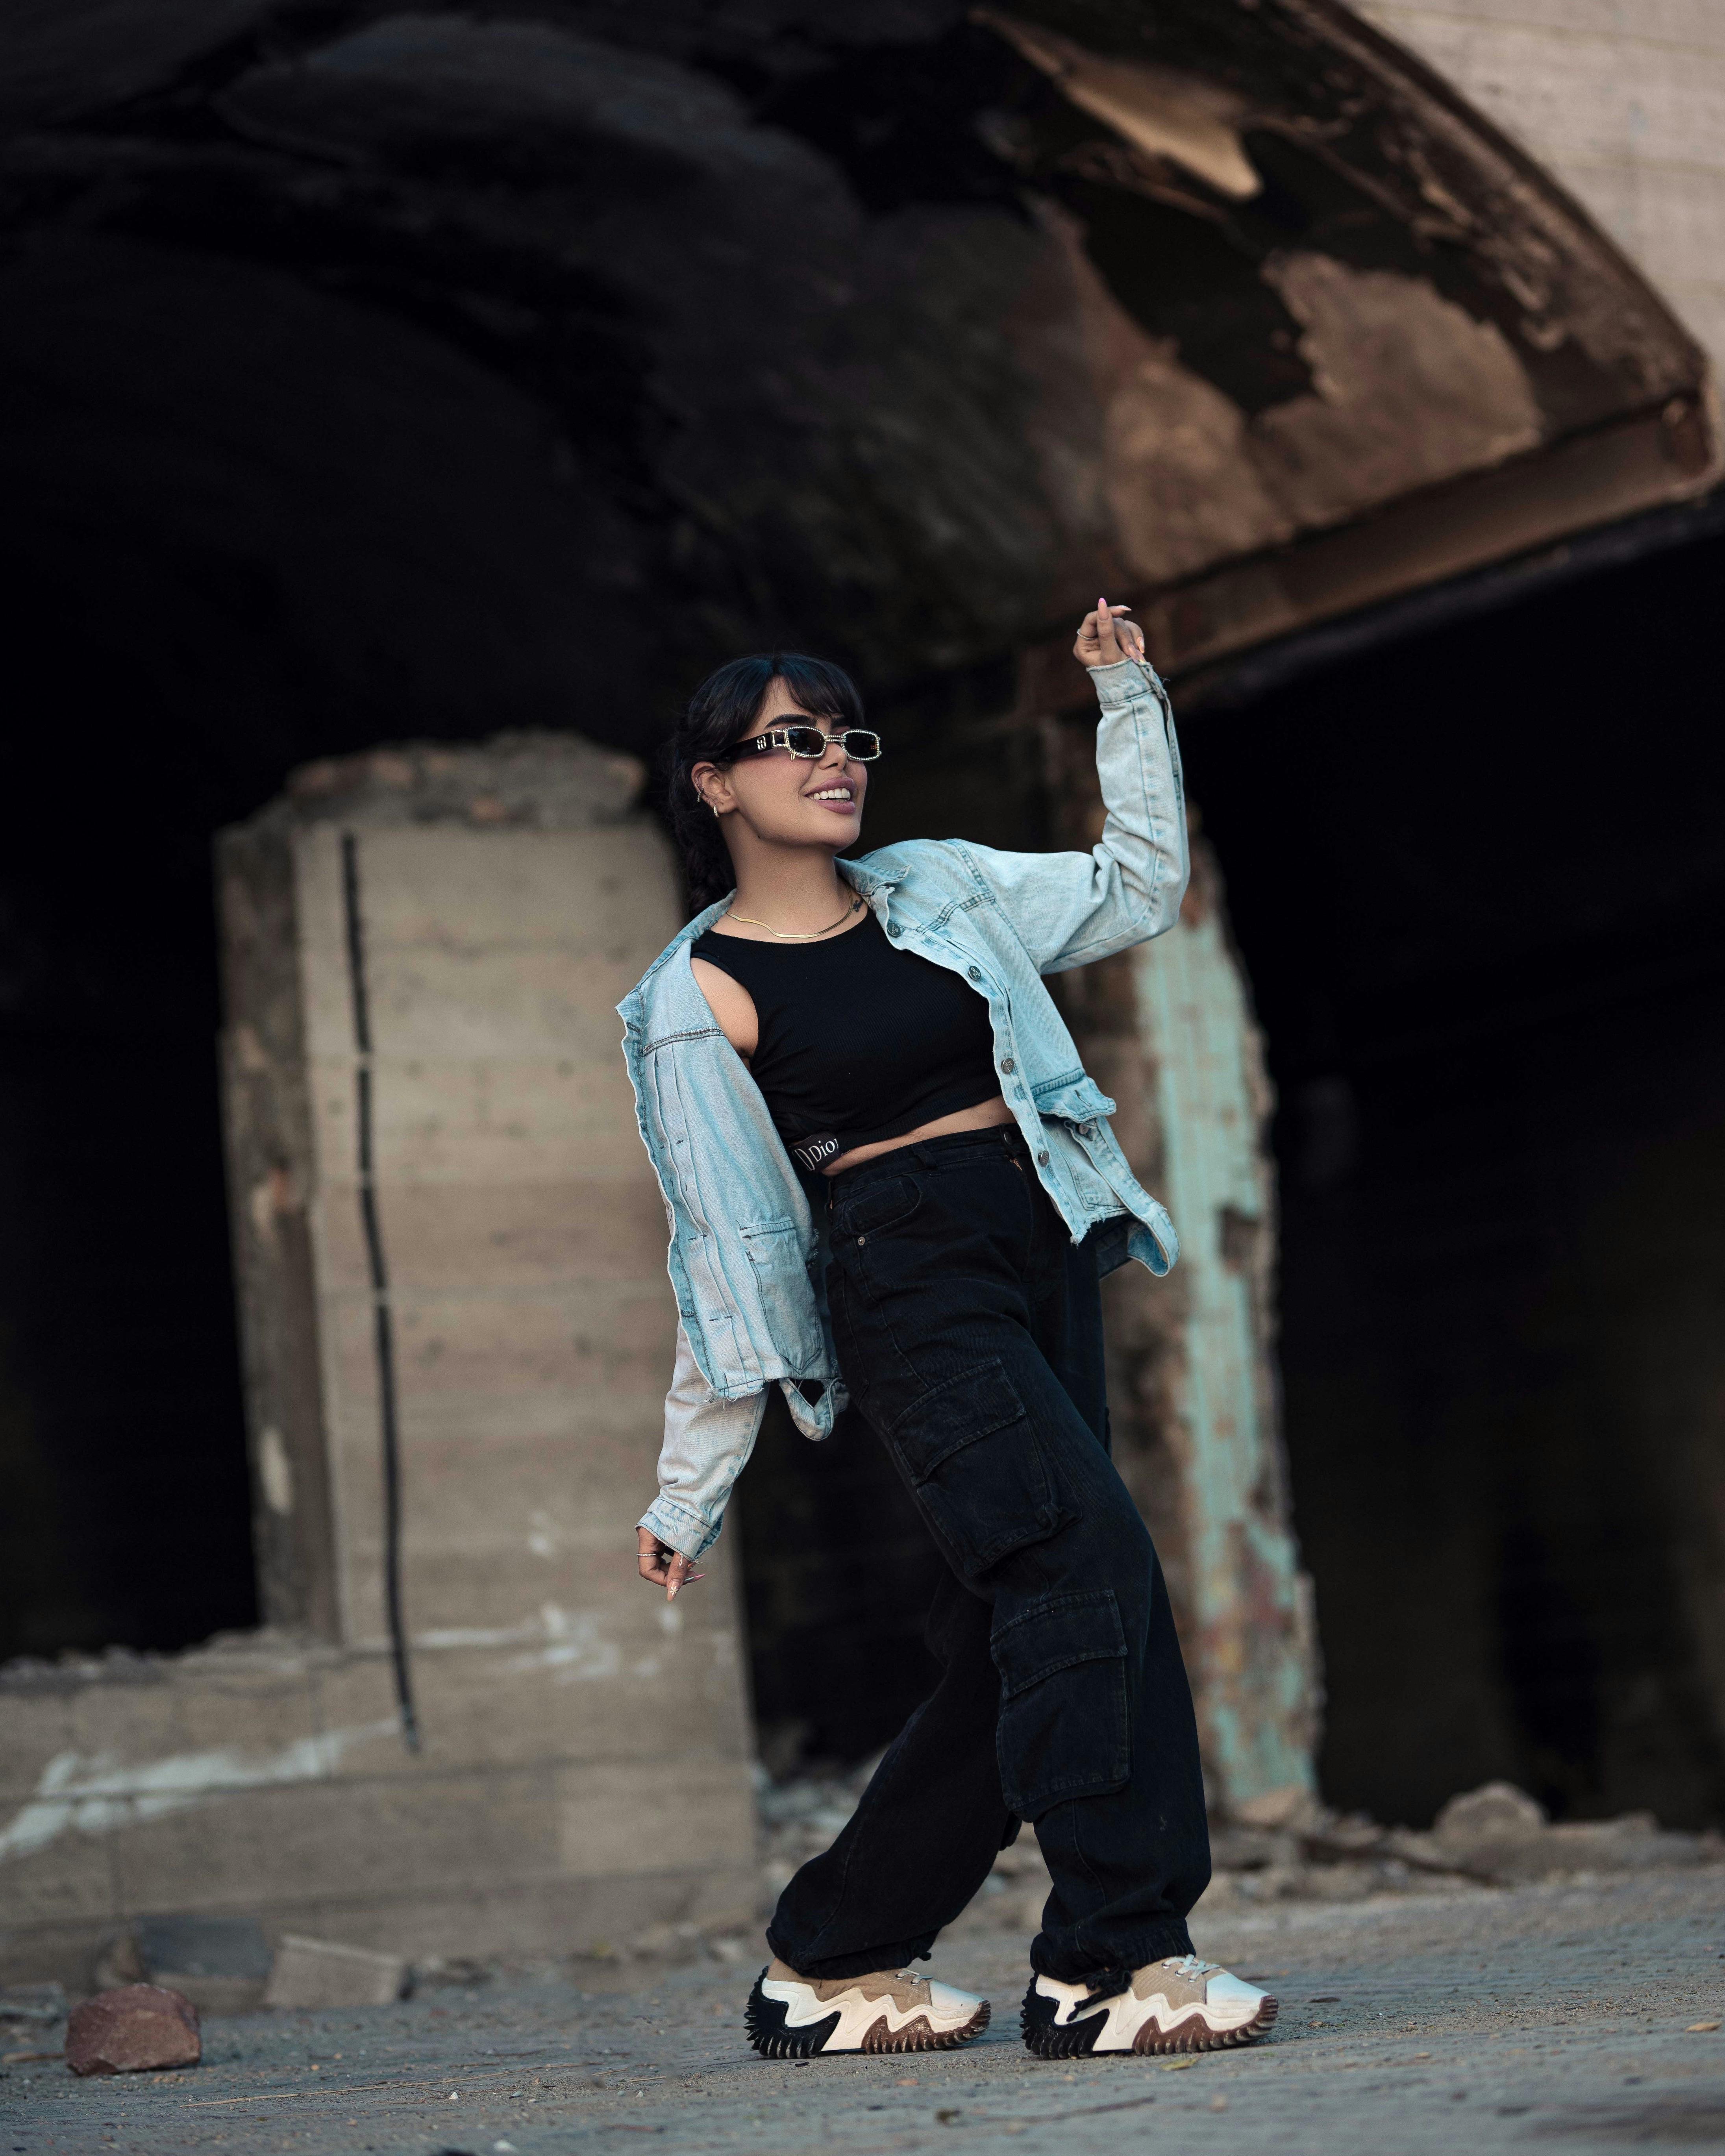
{"x":844,"y":796}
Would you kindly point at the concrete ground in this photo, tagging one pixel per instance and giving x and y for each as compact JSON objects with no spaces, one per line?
{"x":1479,"y":2018}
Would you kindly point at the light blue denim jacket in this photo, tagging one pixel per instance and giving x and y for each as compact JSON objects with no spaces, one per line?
{"x":747,"y":1251}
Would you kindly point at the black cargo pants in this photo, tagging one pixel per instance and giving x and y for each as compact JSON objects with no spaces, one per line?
{"x":969,"y":1330}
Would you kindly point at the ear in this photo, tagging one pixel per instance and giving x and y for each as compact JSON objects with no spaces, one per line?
{"x":712,"y":783}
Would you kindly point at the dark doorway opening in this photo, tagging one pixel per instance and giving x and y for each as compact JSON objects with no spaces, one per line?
{"x":126,"y":1515}
{"x":126,"y":1519}
{"x":1478,"y":879}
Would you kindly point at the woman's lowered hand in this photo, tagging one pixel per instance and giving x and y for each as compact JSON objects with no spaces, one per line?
{"x":663,"y":1566}
{"x":1104,"y":638}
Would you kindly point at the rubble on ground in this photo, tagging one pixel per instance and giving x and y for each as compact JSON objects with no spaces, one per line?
{"x":1289,"y":1847}
{"x":139,"y":2028}
{"x":315,"y":1973}
{"x":1500,"y":1831}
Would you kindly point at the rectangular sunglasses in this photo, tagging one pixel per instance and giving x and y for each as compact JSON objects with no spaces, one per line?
{"x":860,"y":746}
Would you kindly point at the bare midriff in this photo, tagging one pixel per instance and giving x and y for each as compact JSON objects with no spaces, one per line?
{"x":984,"y":1116}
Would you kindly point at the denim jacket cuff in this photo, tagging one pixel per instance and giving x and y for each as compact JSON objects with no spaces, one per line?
{"x":679,"y":1527}
{"x":1117,"y":685}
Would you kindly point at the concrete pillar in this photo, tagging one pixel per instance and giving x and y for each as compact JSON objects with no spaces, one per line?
{"x":451,"y":929}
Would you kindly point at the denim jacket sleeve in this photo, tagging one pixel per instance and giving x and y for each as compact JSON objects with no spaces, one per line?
{"x":1071,"y":908}
{"x":707,"y":1443}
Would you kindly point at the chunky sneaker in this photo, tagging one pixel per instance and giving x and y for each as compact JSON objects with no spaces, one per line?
{"x":793,"y":2017}
{"x":1180,"y":2004}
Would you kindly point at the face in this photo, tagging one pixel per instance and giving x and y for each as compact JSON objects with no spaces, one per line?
{"x":786,"y":800}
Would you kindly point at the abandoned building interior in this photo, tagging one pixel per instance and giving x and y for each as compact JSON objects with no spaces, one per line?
{"x":401,"y":411}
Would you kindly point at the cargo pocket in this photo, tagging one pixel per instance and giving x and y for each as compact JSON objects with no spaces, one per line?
{"x":974,"y":1461}
{"x":1063,"y":1730}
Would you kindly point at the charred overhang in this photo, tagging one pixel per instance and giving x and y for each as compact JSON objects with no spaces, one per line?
{"x":1431,"y":359}
{"x":381,"y":362}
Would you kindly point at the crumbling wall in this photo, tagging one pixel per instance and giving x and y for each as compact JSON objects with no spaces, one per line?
{"x":1168,"y":1030}
{"x":1255,"y":1639}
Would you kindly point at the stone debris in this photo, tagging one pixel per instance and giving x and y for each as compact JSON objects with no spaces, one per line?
{"x":317,"y":1973}
{"x":1497,"y":1835}
{"x":1495,"y":1811}
{"x":1501,"y":1831}
{"x":139,"y":2028}
{"x":1287,"y":1845}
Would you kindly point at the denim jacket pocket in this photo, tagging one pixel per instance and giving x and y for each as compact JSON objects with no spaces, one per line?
{"x":777,"y":1257}
{"x":1063,"y":1729}
{"x":972,"y":1456}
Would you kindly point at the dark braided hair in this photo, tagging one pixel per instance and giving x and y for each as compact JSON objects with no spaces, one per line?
{"x":722,"y":711}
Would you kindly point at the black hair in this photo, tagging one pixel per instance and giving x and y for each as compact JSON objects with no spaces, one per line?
{"x":722,"y":712}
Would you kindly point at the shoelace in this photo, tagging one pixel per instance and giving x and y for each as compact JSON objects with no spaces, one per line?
{"x":1110,"y":1983}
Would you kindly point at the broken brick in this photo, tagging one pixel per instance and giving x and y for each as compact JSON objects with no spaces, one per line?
{"x":132,"y":2030}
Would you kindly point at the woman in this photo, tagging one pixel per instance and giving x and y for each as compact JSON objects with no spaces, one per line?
{"x":873,"y":1035}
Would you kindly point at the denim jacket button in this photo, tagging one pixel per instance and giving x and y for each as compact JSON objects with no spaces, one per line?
{"x":1042,"y":1159}
{"x":1007,"y":1065}
{"x":974,"y":972}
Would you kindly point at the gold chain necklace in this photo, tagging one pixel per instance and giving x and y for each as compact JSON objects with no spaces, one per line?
{"x":793,"y":935}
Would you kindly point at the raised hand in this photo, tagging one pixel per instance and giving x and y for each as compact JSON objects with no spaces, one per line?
{"x":1104,"y":638}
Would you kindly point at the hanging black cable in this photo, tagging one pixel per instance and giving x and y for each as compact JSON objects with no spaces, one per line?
{"x":382,"y":1329}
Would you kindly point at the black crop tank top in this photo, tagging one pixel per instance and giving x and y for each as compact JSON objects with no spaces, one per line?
{"x":859,"y":1041}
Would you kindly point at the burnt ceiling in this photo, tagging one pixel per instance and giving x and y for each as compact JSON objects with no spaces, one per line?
{"x":452,"y":368}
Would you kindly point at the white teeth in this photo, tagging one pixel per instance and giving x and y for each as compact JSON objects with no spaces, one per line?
{"x":832,"y":793}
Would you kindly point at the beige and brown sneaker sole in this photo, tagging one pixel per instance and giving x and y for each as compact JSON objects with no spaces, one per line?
{"x":1076,"y":2039}
{"x":775,"y":2036}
